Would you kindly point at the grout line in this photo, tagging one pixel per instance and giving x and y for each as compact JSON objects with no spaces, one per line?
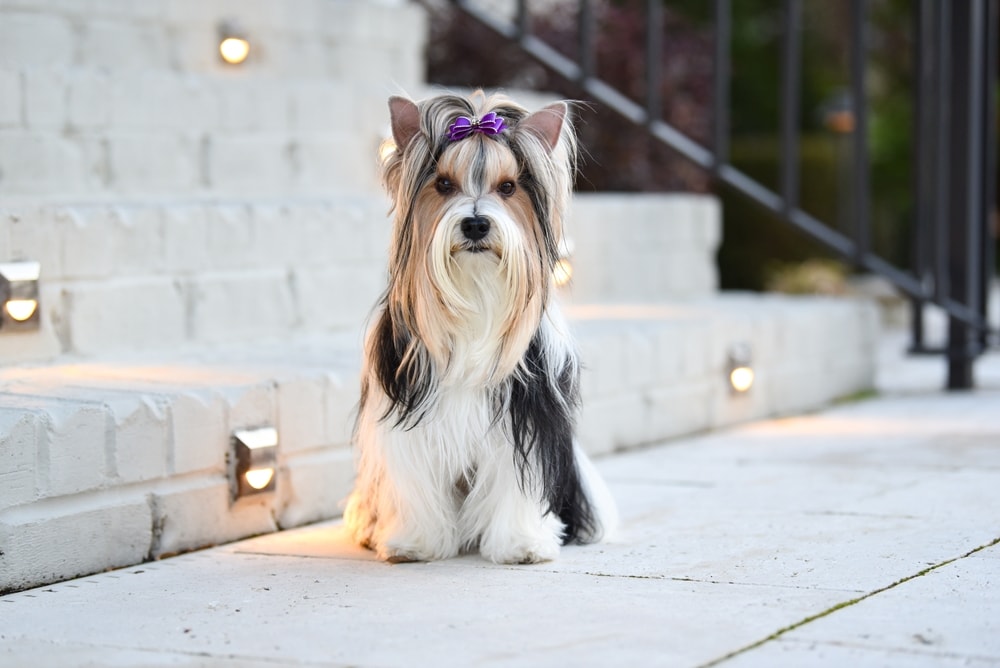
{"x":846,"y":604}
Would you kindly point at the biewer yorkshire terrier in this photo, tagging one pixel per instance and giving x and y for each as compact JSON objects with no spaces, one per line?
{"x":470,"y":386}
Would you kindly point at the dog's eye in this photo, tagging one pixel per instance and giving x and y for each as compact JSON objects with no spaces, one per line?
{"x":507,"y":188}
{"x":444,"y":186}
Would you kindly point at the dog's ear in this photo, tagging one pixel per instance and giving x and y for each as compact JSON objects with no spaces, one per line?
{"x":405,"y":120}
{"x":546,"y":123}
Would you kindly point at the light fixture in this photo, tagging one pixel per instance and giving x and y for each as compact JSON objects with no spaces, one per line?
{"x":19,"y":296}
{"x":234,"y":47}
{"x":256,"y":461}
{"x":740,"y":368}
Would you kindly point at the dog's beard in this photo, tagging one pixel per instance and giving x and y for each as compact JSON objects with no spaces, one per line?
{"x":480,"y":301}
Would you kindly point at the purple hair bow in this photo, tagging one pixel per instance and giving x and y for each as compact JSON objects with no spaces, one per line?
{"x":490,"y":124}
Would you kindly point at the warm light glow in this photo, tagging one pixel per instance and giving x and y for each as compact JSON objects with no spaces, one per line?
{"x":741,"y":378}
{"x":21,"y":309}
{"x":259,"y":478}
{"x":563,"y":271}
{"x":234,"y":50}
{"x":386,"y":149}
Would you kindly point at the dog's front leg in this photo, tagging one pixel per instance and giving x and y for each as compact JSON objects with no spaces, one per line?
{"x":509,"y":518}
{"x":414,"y":509}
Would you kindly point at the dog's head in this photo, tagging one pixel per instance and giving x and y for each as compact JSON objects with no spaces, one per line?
{"x":479,"y":187}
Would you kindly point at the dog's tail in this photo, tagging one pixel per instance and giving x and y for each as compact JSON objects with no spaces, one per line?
{"x":604,"y":511}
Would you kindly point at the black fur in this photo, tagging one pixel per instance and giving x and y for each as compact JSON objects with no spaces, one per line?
{"x":401,"y":376}
{"x":541,"y":422}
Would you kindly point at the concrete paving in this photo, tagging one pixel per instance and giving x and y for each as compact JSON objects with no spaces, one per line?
{"x":867,"y":534}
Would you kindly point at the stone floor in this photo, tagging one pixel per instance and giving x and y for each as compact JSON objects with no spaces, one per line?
{"x":867,"y":534}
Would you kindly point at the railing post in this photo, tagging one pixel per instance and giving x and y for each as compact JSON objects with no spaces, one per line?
{"x":966,"y":186}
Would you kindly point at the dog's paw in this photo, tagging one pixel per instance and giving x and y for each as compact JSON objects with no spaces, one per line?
{"x":525,"y":551}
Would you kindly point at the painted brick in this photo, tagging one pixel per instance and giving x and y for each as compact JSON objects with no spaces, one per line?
{"x":257,"y":163}
{"x":126,"y":314}
{"x":33,"y":234}
{"x":74,"y":457}
{"x":313,"y":487}
{"x":301,"y":414}
{"x":39,"y":163}
{"x":10,"y":97}
{"x":124,"y":44}
{"x":19,"y":439}
{"x":246,"y":106}
{"x":89,"y":99}
{"x":343,"y":390}
{"x":154,"y":163}
{"x":36,"y":39}
{"x":186,"y":247}
{"x":137,"y":239}
{"x":198,"y":513}
{"x":45,"y":98}
{"x":200,"y":437}
{"x":251,"y":407}
{"x":141,"y":445}
{"x":71,"y":538}
{"x":339,"y":297}
{"x":241,"y":306}
{"x":231,"y":238}
{"x":320,"y":107}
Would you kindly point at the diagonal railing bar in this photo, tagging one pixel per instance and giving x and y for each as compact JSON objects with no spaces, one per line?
{"x":952,"y":126}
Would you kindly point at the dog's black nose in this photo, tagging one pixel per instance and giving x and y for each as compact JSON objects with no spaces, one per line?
{"x":475,"y":227}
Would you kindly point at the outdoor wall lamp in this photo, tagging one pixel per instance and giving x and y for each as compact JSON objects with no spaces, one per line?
{"x":19,"y":296}
{"x":234,"y":46}
{"x":740,"y":367}
{"x":256,"y":461}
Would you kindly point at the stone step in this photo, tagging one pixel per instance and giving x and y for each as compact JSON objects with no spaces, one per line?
{"x":147,"y":275}
{"x":112,"y":462}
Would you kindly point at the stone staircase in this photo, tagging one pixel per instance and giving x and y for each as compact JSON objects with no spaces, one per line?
{"x":212,"y":239}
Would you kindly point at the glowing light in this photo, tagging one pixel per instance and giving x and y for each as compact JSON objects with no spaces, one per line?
{"x":255,"y":462}
{"x":386,"y":149}
{"x":21,"y":309}
{"x":234,"y":50}
{"x":259,"y":478}
{"x":741,"y":378}
{"x":563,"y":271}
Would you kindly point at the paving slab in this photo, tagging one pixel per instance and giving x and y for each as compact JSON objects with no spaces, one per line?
{"x":865,"y":535}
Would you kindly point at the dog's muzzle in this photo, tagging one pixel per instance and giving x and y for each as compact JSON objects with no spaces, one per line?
{"x":475,"y":229}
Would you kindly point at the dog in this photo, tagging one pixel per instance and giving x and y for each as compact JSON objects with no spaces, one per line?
{"x":470,"y":382}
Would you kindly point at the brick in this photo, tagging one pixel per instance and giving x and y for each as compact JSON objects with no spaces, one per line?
{"x":260,"y":105}
{"x":185,"y":229}
{"x":141,"y":444}
{"x":154,"y":163}
{"x":89,"y":99}
{"x":33,"y":235}
{"x":137,"y":239}
{"x":117,"y":44}
{"x":39,"y":163}
{"x":10,"y":97}
{"x":74,"y":452}
{"x":342,"y":394}
{"x":85,"y":233}
{"x":241,"y":306}
{"x":254,"y":163}
{"x":72,"y":537}
{"x":194,"y":514}
{"x":45,"y":98}
{"x":126,"y":314}
{"x":251,"y":407}
{"x":322,"y":107}
{"x":312,"y":487}
{"x":301,"y":414}
{"x":19,"y":442}
{"x":231,"y":239}
{"x":200,"y":436}
{"x":36,"y":39}
{"x":338,"y":297}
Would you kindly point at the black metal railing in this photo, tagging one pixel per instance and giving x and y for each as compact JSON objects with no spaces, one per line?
{"x":955,"y":147}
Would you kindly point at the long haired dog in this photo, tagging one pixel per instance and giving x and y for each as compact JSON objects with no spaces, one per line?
{"x":470,"y":383}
